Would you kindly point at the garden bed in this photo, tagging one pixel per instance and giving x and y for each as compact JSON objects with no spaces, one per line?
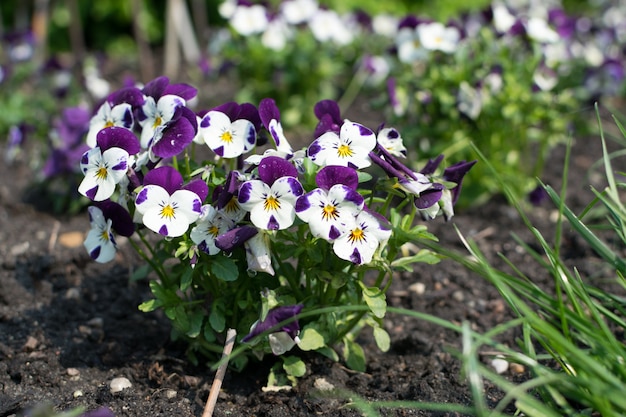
{"x":69,"y":326}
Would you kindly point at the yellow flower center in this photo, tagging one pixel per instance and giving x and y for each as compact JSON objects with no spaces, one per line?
{"x":344,"y":151}
{"x":232,"y":206}
{"x":102,"y":173}
{"x":226,"y":137}
{"x":356,"y":235}
{"x":167,"y":211}
{"x":271,"y":203}
{"x":213,"y":230}
{"x":330,"y":212}
{"x":104,"y":236}
{"x":109,"y":123}
{"x":157,"y":122}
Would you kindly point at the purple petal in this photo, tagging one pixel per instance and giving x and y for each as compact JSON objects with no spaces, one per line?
{"x":95,"y":252}
{"x":235,"y":237}
{"x":122,"y":166}
{"x":429,"y":197}
{"x":167,"y":177}
{"x":272,"y":223}
{"x":355,"y":258}
{"x":244,"y":192}
{"x":118,"y":137}
{"x":163,"y":230}
{"x":334,"y":174}
{"x":313,"y":149}
{"x":182,"y":90}
{"x":199,"y":187}
{"x":455,"y":173}
{"x":272,"y":168}
{"x":330,"y":108}
{"x":130,"y":95}
{"x":274,"y":317}
{"x":249,"y":112}
{"x":431,"y":166}
{"x":230,"y":109}
{"x":303,"y":203}
{"x":141,"y":197}
{"x":268,"y":111}
{"x":326,"y":124}
{"x":334,"y":233}
{"x":91,"y":194}
{"x":176,"y":137}
{"x":121,"y":220}
{"x":156,"y":87}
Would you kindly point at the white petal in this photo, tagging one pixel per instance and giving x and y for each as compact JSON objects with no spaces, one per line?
{"x":280,"y":342}
{"x":151,"y":196}
{"x":252,"y":193}
{"x":188,"y":204}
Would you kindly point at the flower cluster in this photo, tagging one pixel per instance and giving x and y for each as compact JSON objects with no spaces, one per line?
{"x":292,"y":230}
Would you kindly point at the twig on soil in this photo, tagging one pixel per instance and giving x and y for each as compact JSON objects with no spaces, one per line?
{"x":54,"y":235}
{"x":219,"y":375}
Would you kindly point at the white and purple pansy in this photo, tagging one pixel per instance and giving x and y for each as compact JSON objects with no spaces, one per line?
{"x":271,"y":200}
{"x":108,"y":115}
{"x":270,"y":116}
{"x":105,"y":165}
{"x":154,"y":114}
{"x":334,"y":205}
{"x":100,"y":241}
{"x":349,"y":148}
{"x":284,"y":337}
{"x":167,"y":206}
{"x":390,"y":139}
{"x":230,"y":130}
{"x":364,"y":234}
{"x":209,"y":226}
{"x":329,"y":116}
{"x":174,"y":136}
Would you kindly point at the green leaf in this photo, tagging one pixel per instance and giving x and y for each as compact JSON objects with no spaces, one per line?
{"x":186,"y":279}
{"x":423,"y":256}
{"x":294,"y":366}
{"x":354,"y":355}
{"x":195,"y":323}
{"x":150,"y":305}
{"x":311,"y":339}
{"x":382,"y":338}
{"x":140,"y":273}
{"x":224,"y":268}
{"x":375,"y":299}
{"x":216,"y":318}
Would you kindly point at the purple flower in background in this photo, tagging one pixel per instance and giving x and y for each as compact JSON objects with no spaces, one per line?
{"x":286,"y":336}
{"x":67,"y":142}
{"x":538,"y":196}
{"x":100,"y":412}
{"x":168,"y":207}
{"x":15,"y":141}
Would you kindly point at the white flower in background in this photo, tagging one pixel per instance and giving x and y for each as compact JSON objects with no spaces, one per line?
{"x":298,"y":11}
{"x":503,"y":20}
{"x":539,"y":31}
{"x":409,"y":47}
{"x":277,"y":34}
{"x":328,"y":26}
{"x":227,"y":9}
{"x":249,"y":20}
{"x":437,"y":37}
{"x":469,"y":100}
{"x":385,"y":25}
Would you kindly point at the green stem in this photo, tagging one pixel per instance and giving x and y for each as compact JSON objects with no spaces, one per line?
{"x":149,"y":259}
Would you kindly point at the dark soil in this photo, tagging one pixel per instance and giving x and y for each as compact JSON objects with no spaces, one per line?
{"x":68,"y":326}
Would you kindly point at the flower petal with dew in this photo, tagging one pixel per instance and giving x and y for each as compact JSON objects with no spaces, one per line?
{"x":274,"y":318}
{"x":100,"y":242}
{"x":271,"y":207}
{"x":349,"y":148}
{"x":154,"y":115}
{"x":209,"y":226}
{"x":236,"y":237}
{"x":390,"y":139}
{"x":120,"y":115}
{"x":167,"y":208}
{"x":227,"y":138}
{"x":173,"y":137}
{"x":364,"y":234}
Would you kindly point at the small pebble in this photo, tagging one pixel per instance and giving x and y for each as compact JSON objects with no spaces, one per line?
{"x":170,"y":393}
{"x":458,"y":296}
{"x":73,"y":372}
{"x":517,"y":368}
{"x":418,"y":288}
{"x":31,"y":344}
{"x":323,"y":385}
{"x":78,"y":393}
{"x":96,"y":322}
{"x":119,"y":384}
{"x":500,"y":365}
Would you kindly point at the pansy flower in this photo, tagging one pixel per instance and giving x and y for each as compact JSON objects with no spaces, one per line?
{"x":120,"y":115}
{"x":209,"y":226}
{"x":390,"y":139}
{"x":286,"y":336}
{"x":331,"y":207}
{"x":168,"y":207}
{"x":229,"y":130}
{"x":271,"y":200}
{"x":105,"y":217}
{"x":258,"y":255}
{"x":105,"y":165}
{"x":349,"y":148}
{"x":434,"y":36}
{"x":364,"y":234}
{"x":155,"y":114}
{"x":174,"y":136}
